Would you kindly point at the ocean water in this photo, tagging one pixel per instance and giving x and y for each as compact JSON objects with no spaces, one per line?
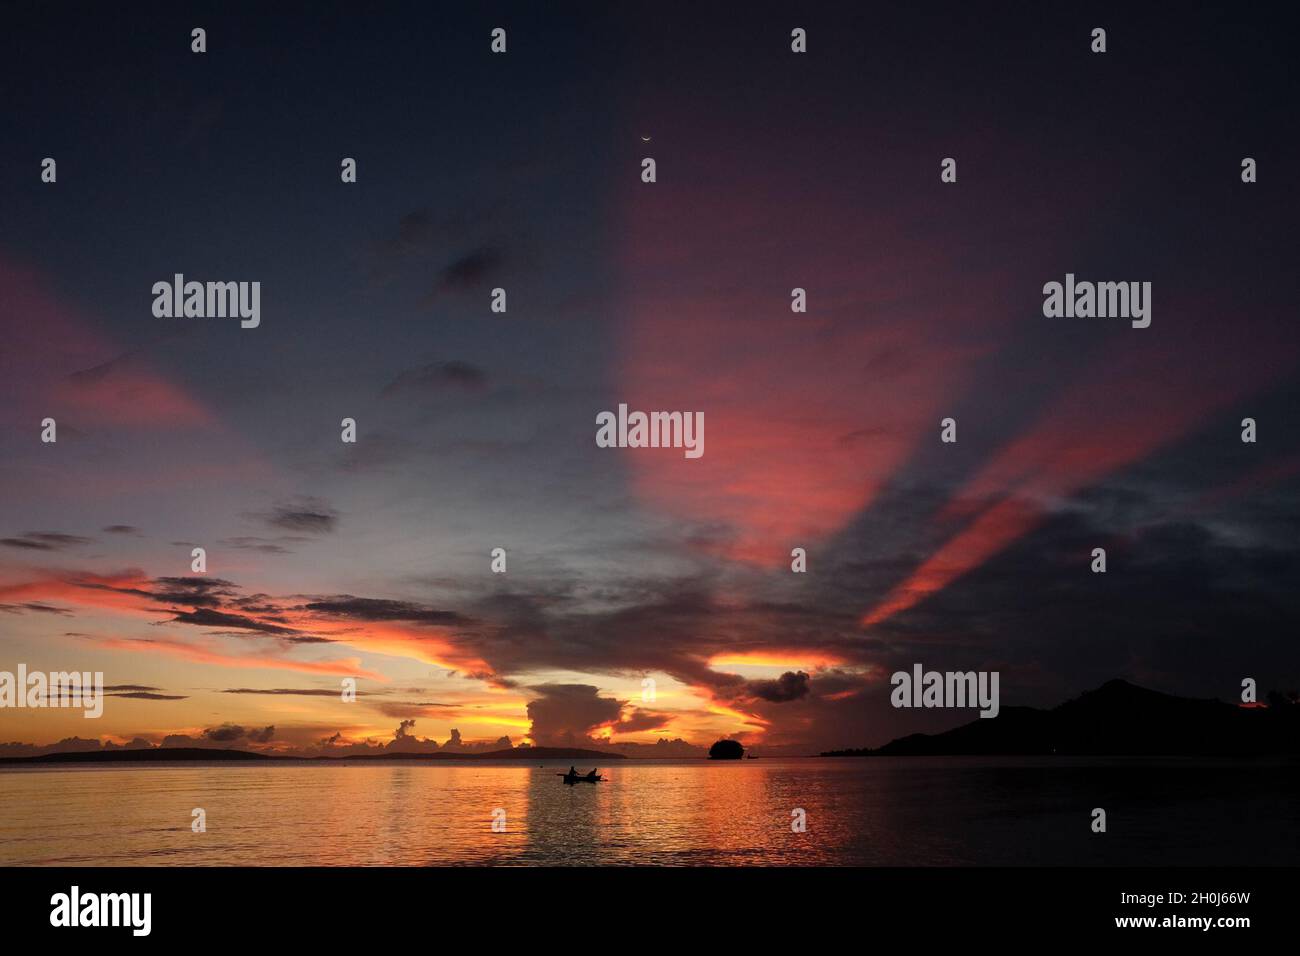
{"x":874,"y":811}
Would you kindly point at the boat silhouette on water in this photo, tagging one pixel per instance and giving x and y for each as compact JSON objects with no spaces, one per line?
{"x":573,"y":777}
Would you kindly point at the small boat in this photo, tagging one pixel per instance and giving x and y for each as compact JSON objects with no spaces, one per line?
{"x":572,"y":778}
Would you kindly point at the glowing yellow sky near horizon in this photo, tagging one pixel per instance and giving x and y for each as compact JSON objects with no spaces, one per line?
{"x":242,"y":678}
{"x":437,"y":702}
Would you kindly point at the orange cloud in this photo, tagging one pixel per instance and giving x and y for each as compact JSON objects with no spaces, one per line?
{"x":85,"y":589}
{"x":431,"y":645}
{"x":346,"y":667}
{"x":748,"y":720}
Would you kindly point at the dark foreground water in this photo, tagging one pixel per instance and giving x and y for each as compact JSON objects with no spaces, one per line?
{"x":875,"y":811}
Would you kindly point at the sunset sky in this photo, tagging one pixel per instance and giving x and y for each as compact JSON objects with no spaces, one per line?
{"x":477,"y":430}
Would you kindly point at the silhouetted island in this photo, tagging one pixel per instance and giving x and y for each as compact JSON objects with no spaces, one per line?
{"x":1118,"y":719}
{"x":726,"y":750}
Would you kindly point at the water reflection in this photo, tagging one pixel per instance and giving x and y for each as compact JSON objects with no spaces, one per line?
{"x":872,"y":812}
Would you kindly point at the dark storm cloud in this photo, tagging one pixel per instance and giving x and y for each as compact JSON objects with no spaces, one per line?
{"x":436,"y":377}
{"x":306,"y":515}
{"x":642,"y":720}
{"x":196,"y":592}
{"x":378,"y":609}
{"x":45,"y":541}
{"x":566,"y":713}
{"x":835,"y":682}
{"x":34,"y":606}
{"x":230,"y":733}
{"x":260,"y":545}
{"x":259,"y":603}
{"x":789,"y":686}
{"x":207,"y":617}
{"x":263,"y":736}
{"x":673,"y":626}
{"x":139,"y":692}
{"x":288,"y":691}
{"x":225,"y":733}
{"x":405,"y":740}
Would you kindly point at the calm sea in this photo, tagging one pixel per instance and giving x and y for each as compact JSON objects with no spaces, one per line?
{"x":876,"y":811}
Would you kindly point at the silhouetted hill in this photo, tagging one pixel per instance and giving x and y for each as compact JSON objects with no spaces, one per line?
{"x":156,"y":755}
{"x":1117,"y":718}
{"x":174,"y":754}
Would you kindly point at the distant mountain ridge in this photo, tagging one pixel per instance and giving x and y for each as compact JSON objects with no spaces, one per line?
{"x":177,"y":754}
{"x":1119,"y":719}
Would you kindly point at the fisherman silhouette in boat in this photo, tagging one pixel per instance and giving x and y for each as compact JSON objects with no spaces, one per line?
{"x":573,"y":776}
